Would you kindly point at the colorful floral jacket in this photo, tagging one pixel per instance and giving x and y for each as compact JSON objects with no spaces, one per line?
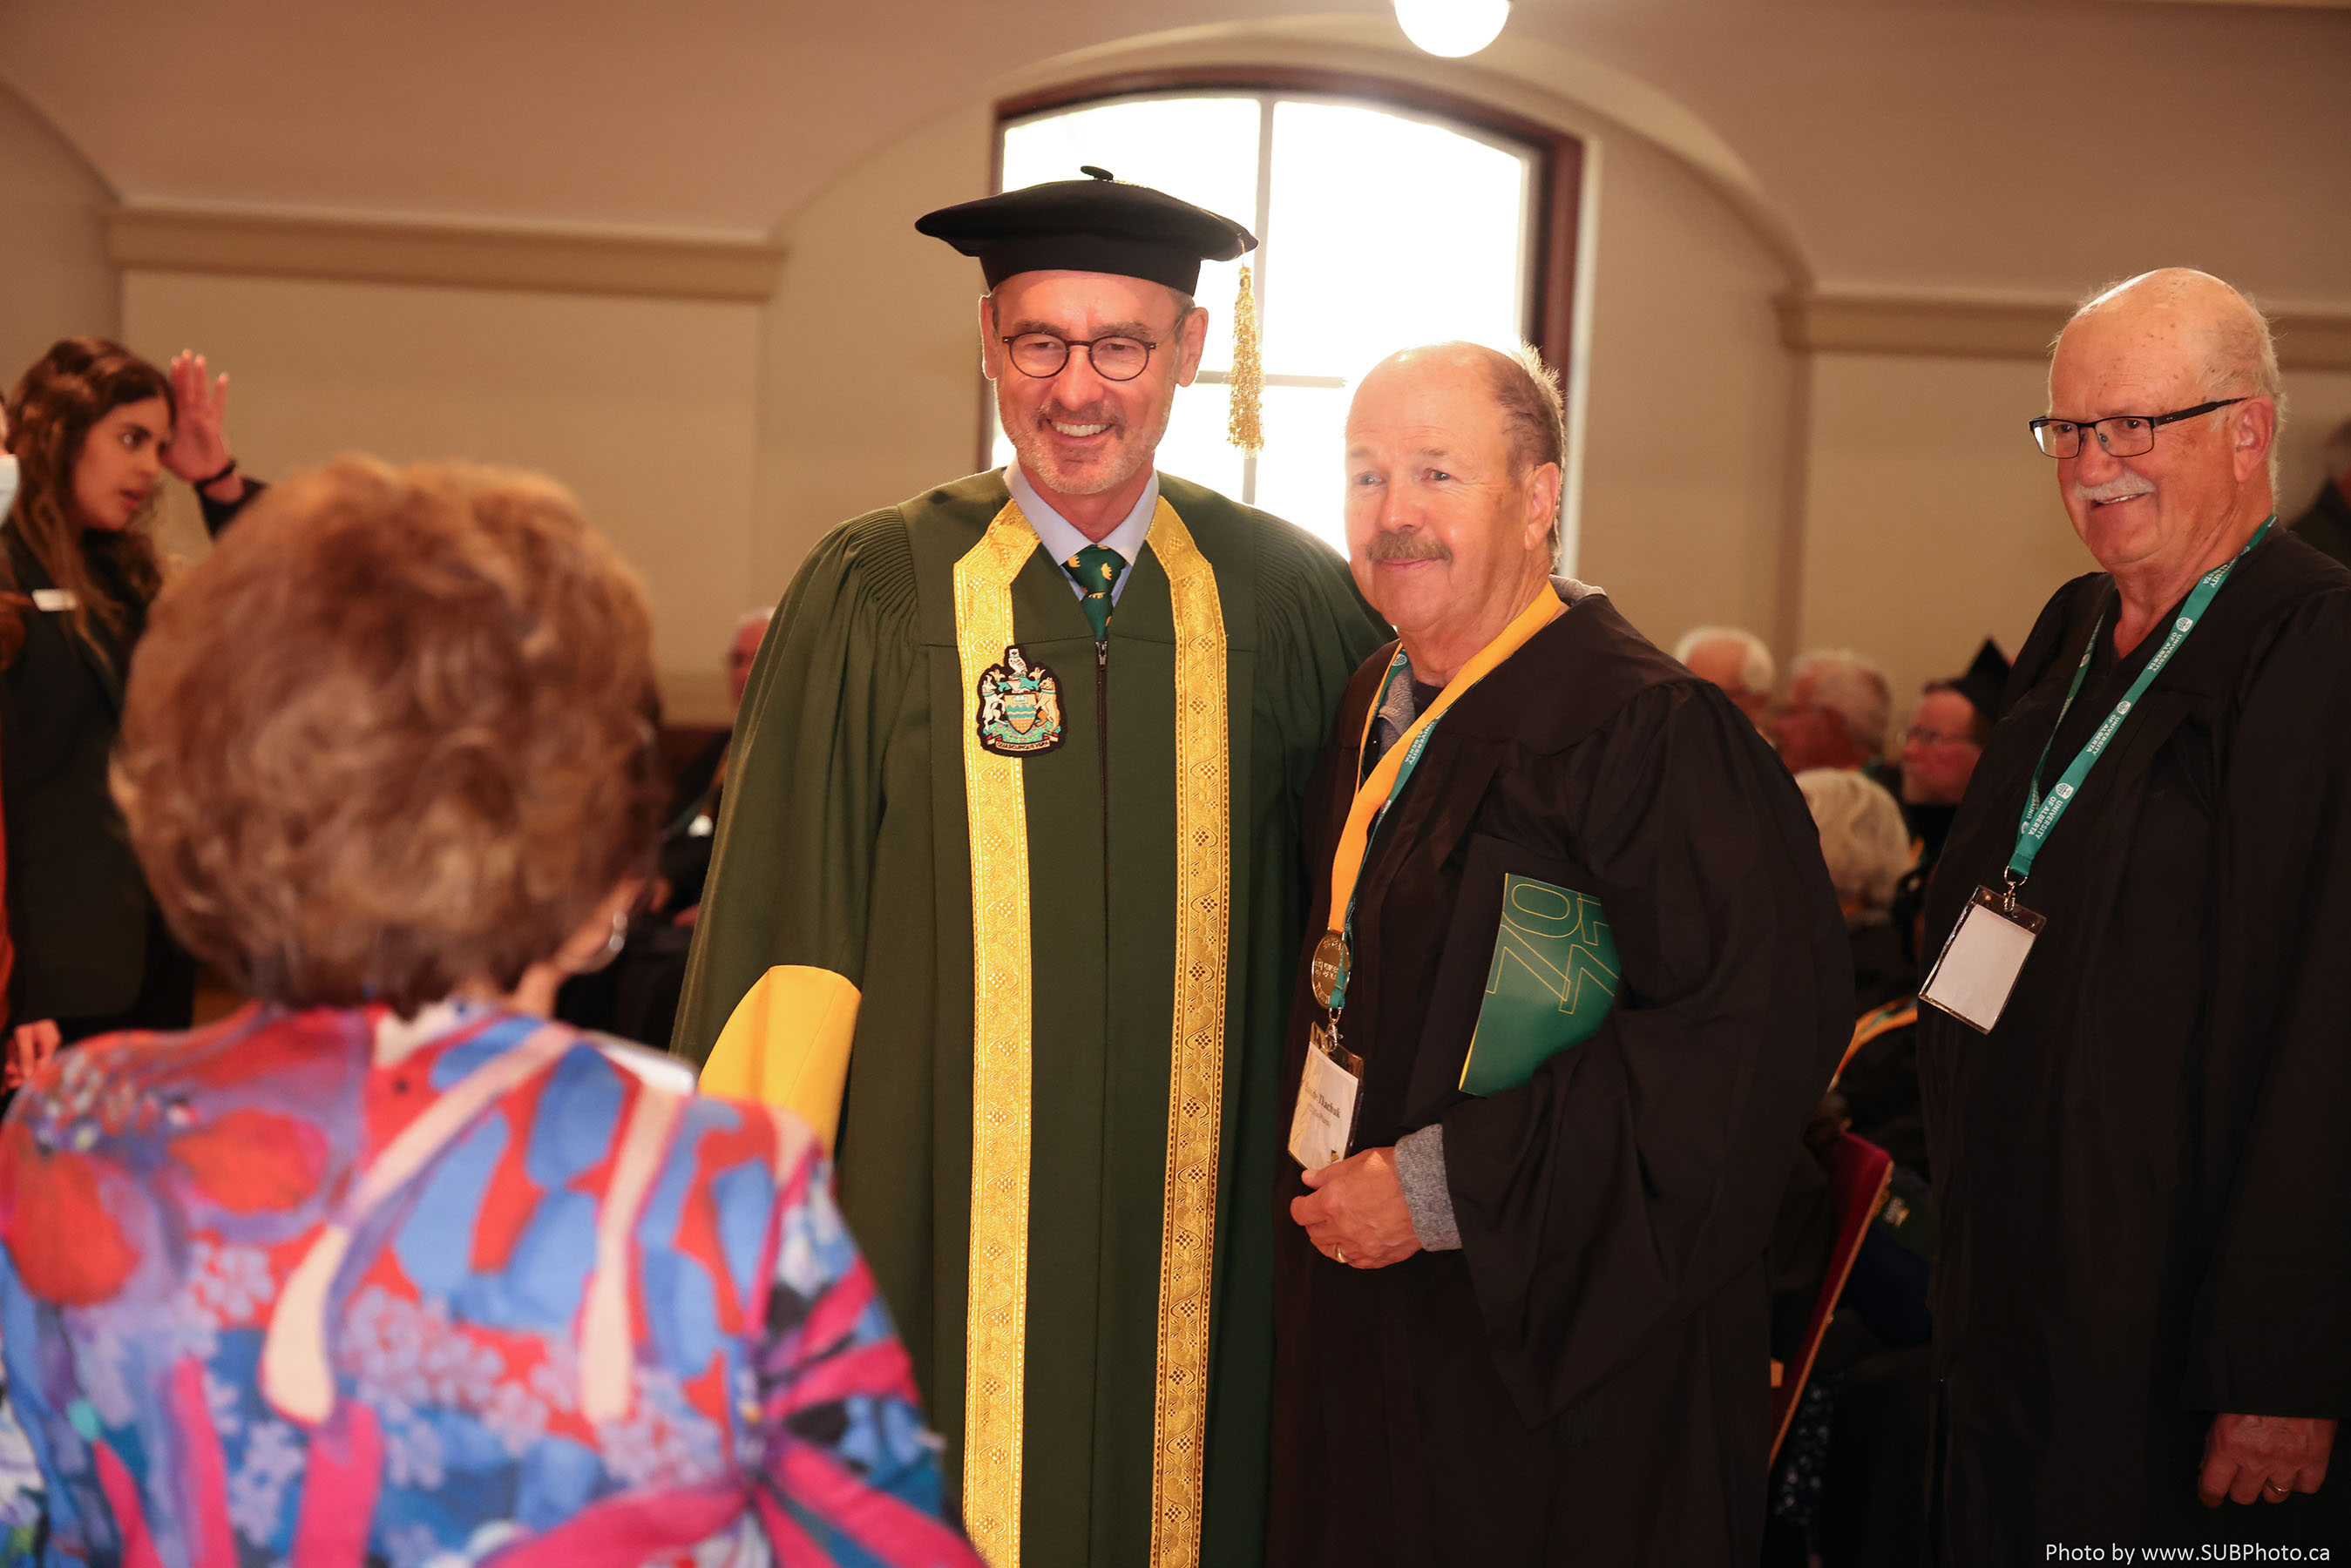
{"x":327,"y":1289}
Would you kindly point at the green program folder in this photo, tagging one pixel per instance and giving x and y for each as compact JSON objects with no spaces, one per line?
{"x":1552,"y":980}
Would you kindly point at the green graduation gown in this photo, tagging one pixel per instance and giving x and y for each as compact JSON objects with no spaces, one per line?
{"x":839,"y":922}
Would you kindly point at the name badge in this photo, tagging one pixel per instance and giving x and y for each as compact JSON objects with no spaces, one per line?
{"x":53,"y":600}
{"x":1323,"y":1124}
{"x":1979,"y":966}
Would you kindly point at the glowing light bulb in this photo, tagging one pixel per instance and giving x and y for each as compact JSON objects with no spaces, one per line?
{"x":1452,"y":27}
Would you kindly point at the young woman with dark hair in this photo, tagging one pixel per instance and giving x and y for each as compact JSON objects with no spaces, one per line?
{"x":93,"y":429}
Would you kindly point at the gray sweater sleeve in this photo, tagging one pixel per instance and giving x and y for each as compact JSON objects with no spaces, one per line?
{"x":1420,"y":1170}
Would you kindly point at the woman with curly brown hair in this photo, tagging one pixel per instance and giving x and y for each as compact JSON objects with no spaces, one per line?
{"x":388,"y":1267}
{"x":93,"y":429}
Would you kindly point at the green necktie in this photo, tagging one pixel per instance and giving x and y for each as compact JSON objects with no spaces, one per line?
{"x":1095,"y":570}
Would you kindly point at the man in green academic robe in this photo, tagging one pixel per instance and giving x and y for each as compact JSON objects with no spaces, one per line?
{"x":1007,"y":899}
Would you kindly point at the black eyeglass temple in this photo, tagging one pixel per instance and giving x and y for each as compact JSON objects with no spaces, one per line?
{"x":2045,"y":421}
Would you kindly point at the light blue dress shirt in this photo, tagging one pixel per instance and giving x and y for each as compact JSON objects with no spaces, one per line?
{"x":1061,"y":538}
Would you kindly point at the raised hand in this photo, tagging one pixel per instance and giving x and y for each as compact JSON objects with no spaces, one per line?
{"x":199,"y":445}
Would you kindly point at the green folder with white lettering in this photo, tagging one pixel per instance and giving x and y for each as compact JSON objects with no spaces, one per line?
{"x":1551,"y":982}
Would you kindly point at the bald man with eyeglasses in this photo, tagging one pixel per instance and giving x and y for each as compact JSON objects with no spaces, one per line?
{"x":2133,"y":1051}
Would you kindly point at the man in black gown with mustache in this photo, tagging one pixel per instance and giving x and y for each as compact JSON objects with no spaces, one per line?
{"x":1591,"y":983}
{"x":2143,"y":1306}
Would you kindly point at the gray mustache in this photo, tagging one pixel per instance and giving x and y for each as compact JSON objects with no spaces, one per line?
{"x":1406,"y":545}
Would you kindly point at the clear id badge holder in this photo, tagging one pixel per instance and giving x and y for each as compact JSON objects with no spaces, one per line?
{"x":1977,"y":968}
{"x":1323,"y":1127}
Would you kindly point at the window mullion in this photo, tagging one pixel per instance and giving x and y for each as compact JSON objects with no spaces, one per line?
{"x":1264,"y":244}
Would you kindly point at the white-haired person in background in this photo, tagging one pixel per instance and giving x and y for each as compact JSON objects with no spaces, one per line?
{"x":1834,"y":715}
{"x":1734,"y":659}
{"x":1867,"y":848}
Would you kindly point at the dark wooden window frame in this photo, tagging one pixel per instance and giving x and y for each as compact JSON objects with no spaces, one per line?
{"x":1558,"y":182}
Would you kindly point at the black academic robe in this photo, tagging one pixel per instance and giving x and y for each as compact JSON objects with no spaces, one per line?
{"x":92,"y":950}
{"x":2144,"y":1171}
{"x":1586,"y":1378}
{"x":1929,"y":826}
{"x":1882,"y":972}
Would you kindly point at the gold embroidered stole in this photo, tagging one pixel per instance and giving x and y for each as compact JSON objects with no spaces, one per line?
{"x":996,"y":1318}
{"x":995,"y":1322}
{"x":1204,"y":833}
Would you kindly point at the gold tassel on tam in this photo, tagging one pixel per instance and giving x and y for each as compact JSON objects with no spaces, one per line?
{"x":1246,"y":428}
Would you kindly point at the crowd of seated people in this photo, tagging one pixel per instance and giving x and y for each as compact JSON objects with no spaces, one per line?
{"x":1847,"y":1476}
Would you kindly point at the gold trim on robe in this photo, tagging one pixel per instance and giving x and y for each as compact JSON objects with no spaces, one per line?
{"x":996,"y":1321}
{"x":1196,"y":1079}
{"x":996,"y":1318}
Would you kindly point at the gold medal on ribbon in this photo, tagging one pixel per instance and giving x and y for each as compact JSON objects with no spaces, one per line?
{"x":1329,"y":967}
{"x":1322,"y":1118}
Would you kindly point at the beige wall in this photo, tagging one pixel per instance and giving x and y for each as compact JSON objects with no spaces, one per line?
{"x":1902,"y":145}
{"x":54,"y":278}
{"x":2315,"y":404}
{"x":871,"y":348}
{"x":1930,"y":521}
{"x":1915,"y":548}
{"x":645,"y":408}
{"x":1691,"y":413}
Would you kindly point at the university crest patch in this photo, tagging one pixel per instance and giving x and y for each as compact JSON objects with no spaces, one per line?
{"x":1020,"y":707}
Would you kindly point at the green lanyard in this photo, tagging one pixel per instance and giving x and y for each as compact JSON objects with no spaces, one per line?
{"x":2042,"y":814}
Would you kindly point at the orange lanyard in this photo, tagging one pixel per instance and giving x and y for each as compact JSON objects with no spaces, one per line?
{"x":1372,"y":795}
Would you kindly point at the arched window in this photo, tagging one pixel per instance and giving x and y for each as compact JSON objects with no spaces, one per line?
{"x":1388,"y":215}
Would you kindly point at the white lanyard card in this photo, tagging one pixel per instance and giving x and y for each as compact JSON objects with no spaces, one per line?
{"x":1324,"y":1122}
{"x":1979,"y":964}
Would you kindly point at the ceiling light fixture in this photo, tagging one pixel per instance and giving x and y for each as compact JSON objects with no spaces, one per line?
{"x":1452,"y":27}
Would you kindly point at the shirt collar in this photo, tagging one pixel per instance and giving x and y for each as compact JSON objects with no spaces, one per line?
{"x":1060,"y":536}
{"x":1398,"y":708}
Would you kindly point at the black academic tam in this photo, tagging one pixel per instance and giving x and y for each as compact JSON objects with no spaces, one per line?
{"x":1094,"y":225}
{"x":2144,"y":1170}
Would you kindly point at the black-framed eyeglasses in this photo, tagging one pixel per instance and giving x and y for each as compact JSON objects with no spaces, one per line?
{"x":1041,"y":354}
{"x":2121,"y":435}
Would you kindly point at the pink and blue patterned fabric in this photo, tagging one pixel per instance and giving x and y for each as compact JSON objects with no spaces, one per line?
{"x":328,"y":1289}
